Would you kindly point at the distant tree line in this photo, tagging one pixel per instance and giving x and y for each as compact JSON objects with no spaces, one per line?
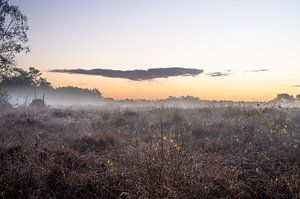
{"x":14,"y":79}
{"x":284,"y":97}
{"x":13,"y":40}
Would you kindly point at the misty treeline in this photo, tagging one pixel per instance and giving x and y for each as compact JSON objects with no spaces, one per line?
{"x":19,"y":86}
{"x":286,"y":97}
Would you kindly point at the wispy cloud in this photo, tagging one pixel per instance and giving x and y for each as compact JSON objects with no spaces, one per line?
{"x":298,"y":85}
{"x":219,"y":74}
{"x":136,"y":75}
{"x":257,"y":71}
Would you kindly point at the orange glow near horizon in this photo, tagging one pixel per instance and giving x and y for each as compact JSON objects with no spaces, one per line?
{"x":202,"y":86}
{"x":257,"y":42}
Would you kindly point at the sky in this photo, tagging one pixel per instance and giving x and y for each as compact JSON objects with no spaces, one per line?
{"x":255,"y":43}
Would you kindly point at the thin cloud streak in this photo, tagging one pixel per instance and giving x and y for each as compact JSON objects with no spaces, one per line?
{"x":219,"y":74}
{"x":136,"y":75}
{"x":257,"y":71}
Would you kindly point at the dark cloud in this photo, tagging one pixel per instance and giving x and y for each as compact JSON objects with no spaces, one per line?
{"x":219,"y":74}
{"x":256,"y":71}
{"x":136,"y":75}
{"x":296,"y":85}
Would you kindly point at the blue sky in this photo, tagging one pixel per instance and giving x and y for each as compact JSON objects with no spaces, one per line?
{"x":212,"y":35}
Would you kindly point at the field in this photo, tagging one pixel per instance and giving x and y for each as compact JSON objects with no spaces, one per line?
{"x":229,"y":152}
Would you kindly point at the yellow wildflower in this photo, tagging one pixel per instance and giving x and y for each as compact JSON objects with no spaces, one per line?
{"x":110,"y":163}
{"x":177,"y":147}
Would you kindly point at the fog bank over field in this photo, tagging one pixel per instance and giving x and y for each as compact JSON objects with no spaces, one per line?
{"x":60,"y":97}
{"x":77,"y":97}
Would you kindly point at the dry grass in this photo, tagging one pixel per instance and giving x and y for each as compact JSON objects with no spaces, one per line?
{"x":197,"y":153}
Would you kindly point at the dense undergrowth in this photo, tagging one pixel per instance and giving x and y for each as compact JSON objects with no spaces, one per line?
{"x":166,"y":153}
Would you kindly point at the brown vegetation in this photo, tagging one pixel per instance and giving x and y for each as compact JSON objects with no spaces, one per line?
{"x":171,"y":153}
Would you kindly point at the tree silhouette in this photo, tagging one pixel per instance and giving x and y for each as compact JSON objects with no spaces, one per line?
{"x":284,"y":97}
{"x":13,"y":39}
{"x":20,"y":78}
{"x":3,"y":96}
{"x":13,"y":34}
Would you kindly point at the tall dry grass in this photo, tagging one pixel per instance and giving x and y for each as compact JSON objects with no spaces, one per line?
{"x":169,"y":153}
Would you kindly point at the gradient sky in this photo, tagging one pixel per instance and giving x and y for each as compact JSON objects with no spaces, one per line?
{"x":213,"y":35}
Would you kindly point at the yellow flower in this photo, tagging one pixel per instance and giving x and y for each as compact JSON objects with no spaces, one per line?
{"x":165,"y":137}
{"x":177,"y":147}
{"x":110,"y":163}
{"x":171,"y":140}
